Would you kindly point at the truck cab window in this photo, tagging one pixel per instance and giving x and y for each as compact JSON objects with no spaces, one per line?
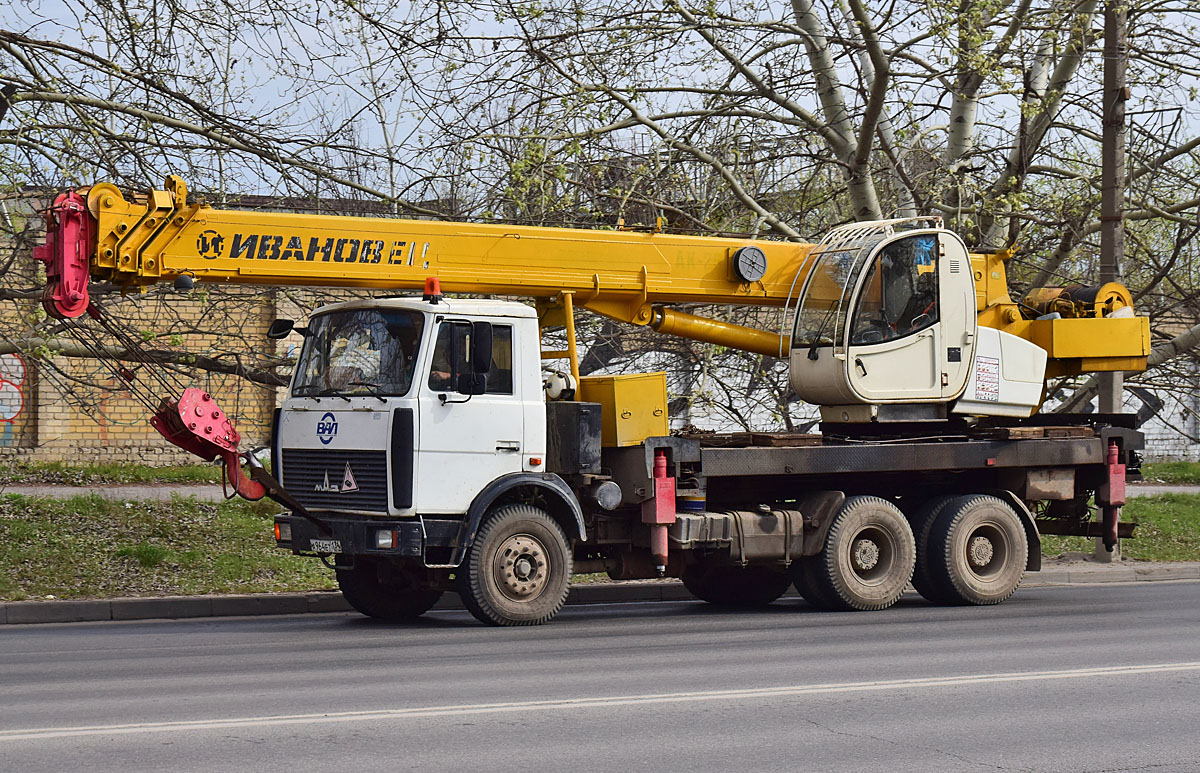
{"x":449,"y":355}
{"x":900,"y":293}
{"x":500,"y":376}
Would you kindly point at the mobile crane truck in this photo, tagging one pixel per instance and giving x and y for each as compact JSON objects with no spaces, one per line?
{"x":420,"y":447}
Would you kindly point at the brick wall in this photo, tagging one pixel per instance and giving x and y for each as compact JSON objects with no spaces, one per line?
{"x":74,"y":409}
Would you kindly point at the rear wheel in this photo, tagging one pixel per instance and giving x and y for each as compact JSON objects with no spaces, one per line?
{"x":977,"y":551}
{"x":385,"y":592}
{"x":518,"y":570}
{"x":922,"y":524}
{"x":867,"y":559}
{"x":736,"y":586}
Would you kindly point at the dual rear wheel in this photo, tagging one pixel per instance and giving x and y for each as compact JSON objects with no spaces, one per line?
{"x":866,"y":562}
{"x":969,"y":550}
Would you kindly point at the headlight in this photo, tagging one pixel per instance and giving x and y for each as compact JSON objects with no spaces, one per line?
{"x":385,"y":538}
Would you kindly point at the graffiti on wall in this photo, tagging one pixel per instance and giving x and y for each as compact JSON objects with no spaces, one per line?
{"x":12,"y":395}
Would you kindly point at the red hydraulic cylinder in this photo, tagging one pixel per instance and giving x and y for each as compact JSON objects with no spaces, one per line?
{"x":1111,"y":496}
{"x":659,"y":511}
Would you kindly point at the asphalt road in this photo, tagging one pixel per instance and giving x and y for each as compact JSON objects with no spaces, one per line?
{"x":1081,"y":678}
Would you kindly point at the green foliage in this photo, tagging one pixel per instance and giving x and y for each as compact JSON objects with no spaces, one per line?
{"x":88,"y":547}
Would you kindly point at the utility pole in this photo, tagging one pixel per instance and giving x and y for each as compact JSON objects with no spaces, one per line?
{"x":1112,"y":196}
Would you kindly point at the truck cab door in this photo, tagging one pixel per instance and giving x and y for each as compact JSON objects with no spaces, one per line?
{"x":911,"y":331}
{"x":466,"y":441}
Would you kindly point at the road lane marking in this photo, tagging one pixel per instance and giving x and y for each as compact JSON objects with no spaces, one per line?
{"x":423,"y":712}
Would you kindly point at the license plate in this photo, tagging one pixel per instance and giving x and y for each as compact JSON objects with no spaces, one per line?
{"x":325,"y":545}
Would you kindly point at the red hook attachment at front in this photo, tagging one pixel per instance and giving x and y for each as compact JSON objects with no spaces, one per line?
{"x":70,"y":242}
{"x":197,"y":425}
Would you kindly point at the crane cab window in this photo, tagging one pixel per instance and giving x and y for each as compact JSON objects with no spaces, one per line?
{"x":451,"y":357}
{"x":899,"y":295}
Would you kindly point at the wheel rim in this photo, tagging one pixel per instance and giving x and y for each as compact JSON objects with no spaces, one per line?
{"x":987,"y":551}
{"x":520,"y":567}
{"x":871,"y":555}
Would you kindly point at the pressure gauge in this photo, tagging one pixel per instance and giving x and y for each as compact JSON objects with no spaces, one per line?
{"x":749,"y":263}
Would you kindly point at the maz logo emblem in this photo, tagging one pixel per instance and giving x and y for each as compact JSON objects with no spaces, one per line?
{"x":348,"y":483}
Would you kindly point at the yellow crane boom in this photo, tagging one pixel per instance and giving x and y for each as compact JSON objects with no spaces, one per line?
{"x":630,"y":276}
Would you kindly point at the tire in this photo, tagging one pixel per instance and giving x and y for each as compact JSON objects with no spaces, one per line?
{"x":867,"y":559}
{"x":977,"y":551}
{"x":518,"y":570}
{"x":804,"y":578}
{"x":736,"y":586}
{"x":922,"y":524}
{"x":400,"y":600}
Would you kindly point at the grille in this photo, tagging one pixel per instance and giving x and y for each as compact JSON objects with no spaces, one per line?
{"x":305,"y":471}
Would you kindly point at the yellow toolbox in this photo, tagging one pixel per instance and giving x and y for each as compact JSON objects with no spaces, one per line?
{"x":633,"y":407}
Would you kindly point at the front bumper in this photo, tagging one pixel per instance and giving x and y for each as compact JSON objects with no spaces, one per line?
{"x":355,"y":536}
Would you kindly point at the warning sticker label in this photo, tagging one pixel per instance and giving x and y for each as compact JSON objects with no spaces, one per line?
{"x":987,"y":379}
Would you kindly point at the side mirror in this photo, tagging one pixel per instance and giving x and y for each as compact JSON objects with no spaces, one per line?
{"x":481,"y":349}
{"x":280,"y":328}
{"x":471,"y":383}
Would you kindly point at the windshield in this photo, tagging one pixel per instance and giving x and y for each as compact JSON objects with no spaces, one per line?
{"x":898,"y":296}
{"x":360,"y":351}
{"x":821,"y":317}
{"x":900,"y":293}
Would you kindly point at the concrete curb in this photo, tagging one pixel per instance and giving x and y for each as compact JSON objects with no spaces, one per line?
{"x":176,"y":607}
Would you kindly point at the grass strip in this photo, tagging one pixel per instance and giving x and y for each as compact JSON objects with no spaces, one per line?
{"x":86,"y":474}
{"x":1172,"y":472}
{"x":89,"y":547}
{"x":1168,"y":530}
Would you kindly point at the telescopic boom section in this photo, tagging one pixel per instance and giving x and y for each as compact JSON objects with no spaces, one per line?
{"x":621,"y":274}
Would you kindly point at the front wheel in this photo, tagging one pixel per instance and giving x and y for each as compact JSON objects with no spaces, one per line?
{"x":385,"y":593}
{"x":518,"y":570}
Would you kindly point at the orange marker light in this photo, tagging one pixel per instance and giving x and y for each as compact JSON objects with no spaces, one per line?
{"x":535,"y":461}
{"x":433,"y":290}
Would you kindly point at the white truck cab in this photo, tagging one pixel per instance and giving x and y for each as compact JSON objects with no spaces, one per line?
{"x":380,"y":418}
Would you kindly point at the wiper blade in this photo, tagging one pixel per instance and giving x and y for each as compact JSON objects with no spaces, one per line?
{"x":816,"y":342}
{"x":372,"y":390}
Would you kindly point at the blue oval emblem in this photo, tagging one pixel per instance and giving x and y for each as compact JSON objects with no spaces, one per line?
{"x":327,"y":428}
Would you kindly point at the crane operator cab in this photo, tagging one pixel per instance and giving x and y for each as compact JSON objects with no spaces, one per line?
{"x":885,"y":329}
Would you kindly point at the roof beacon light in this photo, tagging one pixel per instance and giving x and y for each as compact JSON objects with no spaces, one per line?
{"x":433,"y":290}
